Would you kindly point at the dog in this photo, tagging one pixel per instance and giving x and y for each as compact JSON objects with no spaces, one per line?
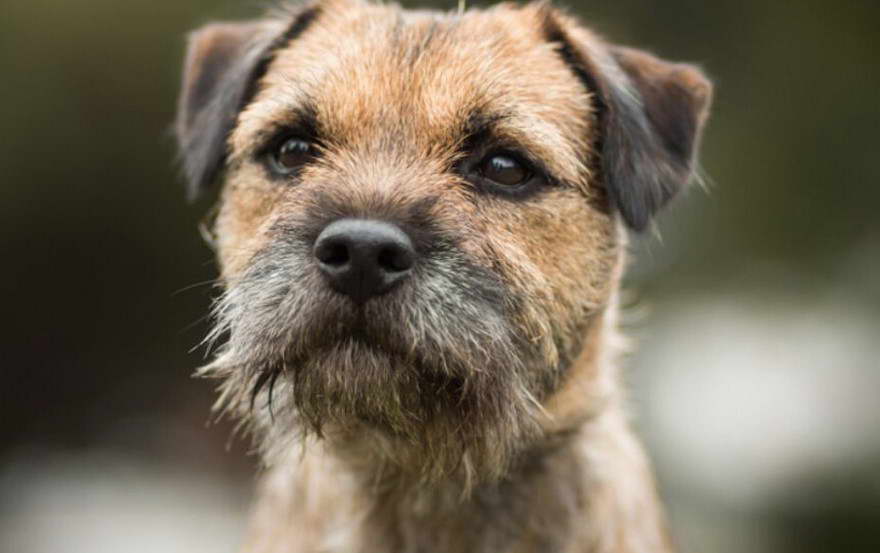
{"x":421,"y":233}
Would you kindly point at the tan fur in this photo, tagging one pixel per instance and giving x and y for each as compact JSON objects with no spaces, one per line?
{"x":539,"y":457}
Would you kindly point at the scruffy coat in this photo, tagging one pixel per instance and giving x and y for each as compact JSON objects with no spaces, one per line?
{"x":476,"y":408}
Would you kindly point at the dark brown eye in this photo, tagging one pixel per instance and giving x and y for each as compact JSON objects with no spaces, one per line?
{"x":292,"y":154}
{"x":505,"y":169}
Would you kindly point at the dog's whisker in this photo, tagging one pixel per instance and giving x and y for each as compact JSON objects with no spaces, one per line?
{"x":212,"y":282}
{"x":191,"y":326}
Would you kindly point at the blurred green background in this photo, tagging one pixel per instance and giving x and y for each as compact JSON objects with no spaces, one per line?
{"x":756,"y":306}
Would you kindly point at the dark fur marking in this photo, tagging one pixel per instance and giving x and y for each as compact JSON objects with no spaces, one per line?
{"x":648,"y":133}
{"x":224,"y":88}
{"x":669,"y":107}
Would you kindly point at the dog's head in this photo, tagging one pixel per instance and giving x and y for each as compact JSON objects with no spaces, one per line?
{"x":422,"y":214}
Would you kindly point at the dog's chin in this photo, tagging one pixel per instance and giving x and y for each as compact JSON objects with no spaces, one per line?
{"x":380,"y":401}
{"x":356,"y":382}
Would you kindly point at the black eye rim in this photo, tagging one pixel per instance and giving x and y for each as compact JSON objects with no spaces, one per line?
{"x":272,"y":153}
{"x":527,"y":169}
{"x":536,"y":174}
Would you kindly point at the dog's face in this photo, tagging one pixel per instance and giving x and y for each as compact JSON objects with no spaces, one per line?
{"x":419,"y":223}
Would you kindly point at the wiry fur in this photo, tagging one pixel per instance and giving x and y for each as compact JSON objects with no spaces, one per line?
{"x":438,"y":370}
{"x":476,"y":407}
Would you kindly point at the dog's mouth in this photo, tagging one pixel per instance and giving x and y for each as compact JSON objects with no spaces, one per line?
{"x":442,"y":344}
{"x":381,"y":342}
{"x":343,"y":325}
{"x":436,"y":365}
{"x":357,"y":345}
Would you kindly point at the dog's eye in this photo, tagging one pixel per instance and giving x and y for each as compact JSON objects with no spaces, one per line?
{"x":292,"y":154}
{"x":505,"y":169}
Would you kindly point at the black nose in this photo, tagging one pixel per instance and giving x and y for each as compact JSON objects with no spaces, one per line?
{"x":364,"y":258}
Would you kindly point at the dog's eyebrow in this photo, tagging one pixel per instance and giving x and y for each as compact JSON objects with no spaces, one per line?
{"x":478,"y":126}
{"x":300,"y":121}
{"x":481,"y":122}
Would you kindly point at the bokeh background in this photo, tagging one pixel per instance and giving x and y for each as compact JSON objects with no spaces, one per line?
{"x":756,"y":307}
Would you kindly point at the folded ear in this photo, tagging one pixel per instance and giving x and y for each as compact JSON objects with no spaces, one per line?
{"x":654,"y":133}
{"x":650,"y":112}
{"x":224,"y":64}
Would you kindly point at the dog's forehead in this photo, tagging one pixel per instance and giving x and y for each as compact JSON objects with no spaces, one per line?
{"x":370,"y":72}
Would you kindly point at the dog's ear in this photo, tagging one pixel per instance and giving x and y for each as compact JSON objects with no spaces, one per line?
{"x":652,"y":132}
{"x":650,"y":112}
{"x":220,"y":72}
{"x":224,"y":64}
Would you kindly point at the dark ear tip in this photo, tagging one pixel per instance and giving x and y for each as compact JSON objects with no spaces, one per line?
{"x":215,"y":84}
{"x":224,"y":63}
{"x":638,"y":224}
{"x":635,"y":213}
{"x":699,"y":87}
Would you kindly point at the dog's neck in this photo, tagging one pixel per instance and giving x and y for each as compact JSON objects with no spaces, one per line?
{"x":585,"y":488}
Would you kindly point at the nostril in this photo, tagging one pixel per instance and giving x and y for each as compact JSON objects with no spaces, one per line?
{"x":396,"y":260}
{"x":363,"y":258}
{"x":332,"y":252}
